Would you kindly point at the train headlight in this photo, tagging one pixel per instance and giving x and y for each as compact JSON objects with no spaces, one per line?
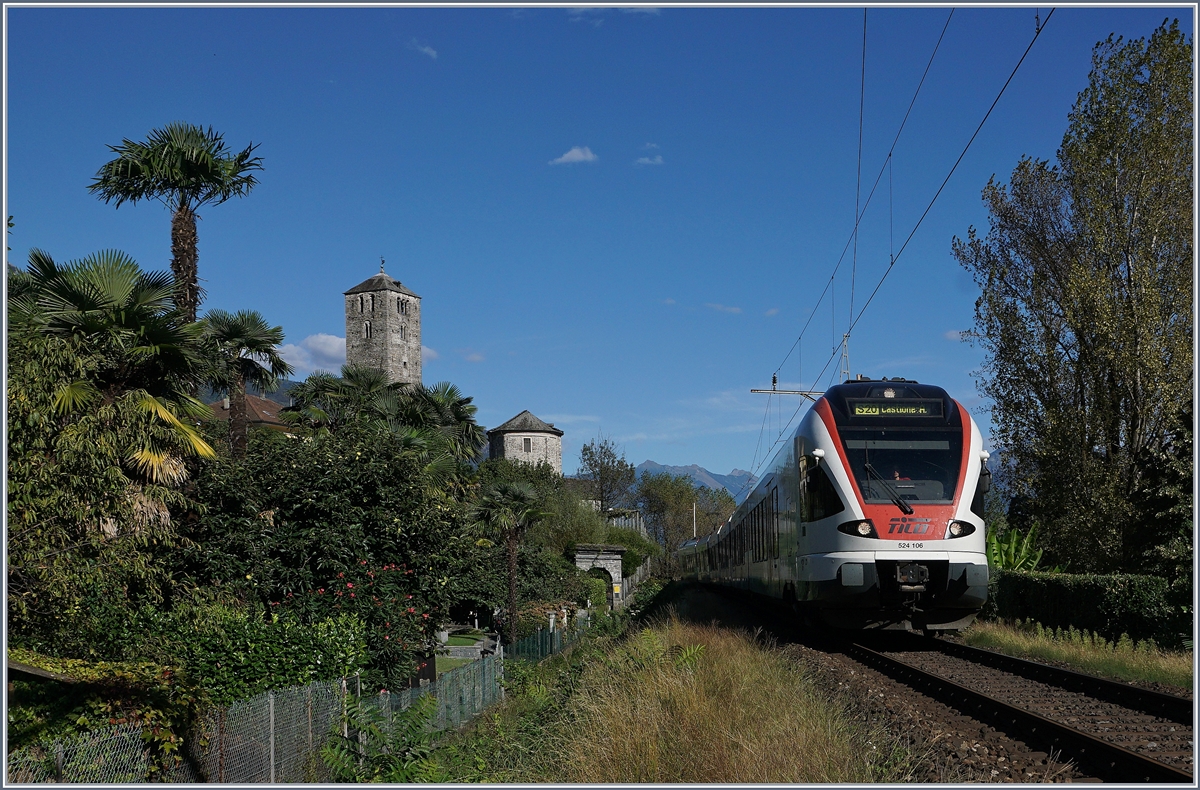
{"x":859,"y":529}
{"x":959,"y":529}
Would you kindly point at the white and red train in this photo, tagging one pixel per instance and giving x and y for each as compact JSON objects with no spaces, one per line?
{"x":871,"y":516}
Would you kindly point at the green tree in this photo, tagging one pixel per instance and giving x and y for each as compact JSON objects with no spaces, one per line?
{"x":146,"y":353}
{"x":186,"y":167}
{"x":607,"y":477}
{"x":337,"y":524}
{"x":1085,"y":315}
{"x":100,"y":423}
{"x":242,"y":349}
{"x":666,"y":502}
{"x":504,"y":513}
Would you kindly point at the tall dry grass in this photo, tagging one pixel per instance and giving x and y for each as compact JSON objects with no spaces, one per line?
{"x":688,"y":703}
{"x":1087,"y":652}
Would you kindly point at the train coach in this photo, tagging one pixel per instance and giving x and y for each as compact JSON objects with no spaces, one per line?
{"x":871,"y":516}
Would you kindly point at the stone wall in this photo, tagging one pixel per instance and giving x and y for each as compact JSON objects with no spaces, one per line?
{"x":542,"y":447}
{"x":383,"y":331}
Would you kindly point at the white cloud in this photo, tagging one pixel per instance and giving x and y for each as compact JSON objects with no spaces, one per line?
{"x":576,"y":154}
{"x":589,"y":14}
{"x":668,"y":301}
{"x":428,"y":354}
{"x":723,"y":308}
{"x":954,"y":334}
{"x":645,"y":160}
{"x":424,"y":49}
{"x":648,"y":146}
{"x":773,"y":311}
{"x":474,"y":356}
{"x":315,"y":352}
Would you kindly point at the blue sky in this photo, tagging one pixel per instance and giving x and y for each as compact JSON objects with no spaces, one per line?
{"x":619,"y":219}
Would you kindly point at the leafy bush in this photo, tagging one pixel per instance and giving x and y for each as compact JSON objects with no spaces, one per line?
{"x":235,"y":656}
{"x":1141,"y":607}
{"x":637,"y":548}
{"x":382,"y":746}
{"x":164,"y":700}
{"x":339,"y":524}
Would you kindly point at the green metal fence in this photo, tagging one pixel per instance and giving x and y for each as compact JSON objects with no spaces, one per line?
{"x":546,"y":642}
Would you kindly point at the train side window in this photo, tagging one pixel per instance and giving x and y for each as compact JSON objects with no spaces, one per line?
{"x":775,"y":523}
{"x":825,"y":499}
{"x":981,"y":489}
{"x":818,"y":498}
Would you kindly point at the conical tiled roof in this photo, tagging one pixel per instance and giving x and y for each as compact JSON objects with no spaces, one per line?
{"x":525,"y":422}
{"x":380,"y":282}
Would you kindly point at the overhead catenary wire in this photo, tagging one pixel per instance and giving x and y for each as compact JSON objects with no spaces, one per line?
{"x":870,"y":194}
{"x":925,"y":213}
{"x":954,"y":167}
{"x":862,"y":96}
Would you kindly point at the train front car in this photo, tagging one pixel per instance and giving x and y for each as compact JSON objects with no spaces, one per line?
{"x":890,"y":530}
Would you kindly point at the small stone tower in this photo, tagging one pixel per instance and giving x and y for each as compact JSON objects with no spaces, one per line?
{"x":383,"y":328}
{"x":528,"y":439}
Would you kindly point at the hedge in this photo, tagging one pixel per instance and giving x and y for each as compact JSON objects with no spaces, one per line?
{"x":1144,"y":607}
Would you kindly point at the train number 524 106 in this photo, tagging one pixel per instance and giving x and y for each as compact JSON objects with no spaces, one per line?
{"x":911,"y":545}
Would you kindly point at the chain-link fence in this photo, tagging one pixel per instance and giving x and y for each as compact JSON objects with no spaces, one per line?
{"x":274,"y":737}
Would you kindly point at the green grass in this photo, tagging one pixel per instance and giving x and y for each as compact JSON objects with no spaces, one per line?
{"x":462,"y":641}
{"x":1086,"y":652}
{"x":446,"y":663}
{"x":672,"y":703}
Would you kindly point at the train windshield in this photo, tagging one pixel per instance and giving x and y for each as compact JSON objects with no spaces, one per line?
{"x":918,"y":464}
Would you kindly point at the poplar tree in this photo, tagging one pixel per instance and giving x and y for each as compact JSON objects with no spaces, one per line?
{"x":1085,"y":315}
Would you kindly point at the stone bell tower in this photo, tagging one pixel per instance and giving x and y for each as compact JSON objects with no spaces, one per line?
{"x":383,"y":328}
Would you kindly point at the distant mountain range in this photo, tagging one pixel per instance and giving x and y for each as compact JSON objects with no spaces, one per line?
{"x":735,"y":482}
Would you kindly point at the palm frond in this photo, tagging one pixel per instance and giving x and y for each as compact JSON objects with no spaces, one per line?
{"x":76,"y":395}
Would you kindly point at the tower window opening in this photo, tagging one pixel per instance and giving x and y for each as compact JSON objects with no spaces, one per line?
{"x":401,"y":333}
{"x":399,"y":305}
{"x":372,"y":303}
{"x":360,"y":304}
{"x":528,"y":445}
{"x":367,"y":329}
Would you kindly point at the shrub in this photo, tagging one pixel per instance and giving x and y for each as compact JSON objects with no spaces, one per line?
{"x":1142,"y":607}
{"x":234,"y":656}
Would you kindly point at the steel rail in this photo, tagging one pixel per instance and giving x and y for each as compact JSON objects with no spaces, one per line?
{"x":1156,"y":703}
{"x":1108,"y":760}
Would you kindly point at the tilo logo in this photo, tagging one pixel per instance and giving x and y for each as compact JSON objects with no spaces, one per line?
{"x":909,"y":526}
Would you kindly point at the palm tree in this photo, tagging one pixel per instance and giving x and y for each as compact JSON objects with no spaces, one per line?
{"x":185,"y":167}
{"x":242,"y":350}
{"x":145,"y":351}
{"x":504,"y":513}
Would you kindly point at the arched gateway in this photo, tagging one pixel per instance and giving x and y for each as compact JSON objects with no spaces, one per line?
{"x":606,"y":557}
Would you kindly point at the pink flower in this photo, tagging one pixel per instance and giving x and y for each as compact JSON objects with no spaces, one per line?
{"x":426,"y":615}
{"x":321,"y":591}
{"x":351,"y":586}
{"x":411,"y":610}
{"x":340,"y":575}
{"x":386,"y":637}
{"x":351,"y":595}
{"x":410,"y":597}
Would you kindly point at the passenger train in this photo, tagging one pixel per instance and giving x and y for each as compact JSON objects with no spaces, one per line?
{"x":870,"y":516}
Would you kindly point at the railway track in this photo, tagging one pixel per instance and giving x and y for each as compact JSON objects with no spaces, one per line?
{"x":1115,"y":731}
